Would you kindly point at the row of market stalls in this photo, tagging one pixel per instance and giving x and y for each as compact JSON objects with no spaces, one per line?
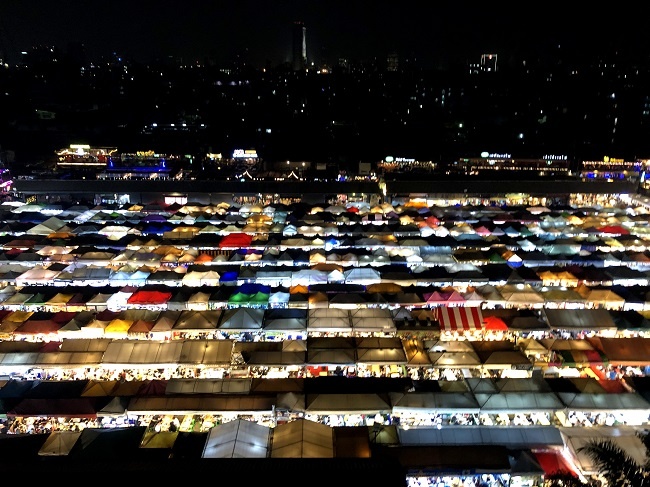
{"x":295,"y":418}
{"x":99,"y":268}
{"x":358,"y":454}
{"x":200,"y":317}
{"x":482,"y":220}
{"x":317,"y":356}
{"x":525,"y":403}
{"x":349,"y":251}
{"x":273,"y":324}
{"x":386,"y":295}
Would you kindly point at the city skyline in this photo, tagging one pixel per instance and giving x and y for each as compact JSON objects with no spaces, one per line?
{"x":261,"y":32}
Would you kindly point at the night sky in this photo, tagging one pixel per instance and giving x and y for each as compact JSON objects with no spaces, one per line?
{"x":144,"y":30}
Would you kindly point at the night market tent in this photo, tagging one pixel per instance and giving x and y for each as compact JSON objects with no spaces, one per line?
{"x":516,"y":295}
{"x":168,"y":354}
{"x":627,"y":402}
{"x":277,"y":277}
{"x":208,"y":386}
{"x":416,"y":353}
{"x":37,"y":275}
{"x":337,"y":351}
{"x":346,"y":300}
{"x":573,"y":352}
{"x":129,"y":353}
{"x":72,"y":329}
{"x":165,"y":277}
{"x":197,"y":320}
{"x":291,"y":320}
{"x":58,"y":301}
{"x":448,"y":355}
{"x":379,"y":320}
{"x":236,"y":240}
{"x":113,"y":444}
{"x":165,"y":322}
{"x":144,"y":297}
{"x":238,"y":439}
{"x":460,"y":318}
{"x":362,"y":275}
{"x":38,"y":324}
{"x":16,"y":300}
{"x":279,"y":299}
{"x":90,"y":275}
{"x":324,"y":320}
{"x":381,"y":350}
{"x":433,"y":403}
{"x":99,"y":388}
{"x":526,"y":321}
{"x":520,"y":401}
{"x":17,"y":317}
{"x":242,"y":319}
{"x":272,"y":354}
{"x":302,"y":439}
{"x":195,"y":278}
{"x":198,"y":301}
{"x":119,"y":299}
{"x":632,"y":351}
{"x":129,"y":277}
{"x":160,"y":440}
{"x":512,"y":437}
{"x":59,"y":443}
{"x":507,"y":359}
{"x":579,"y":319}
{"x":118,"y":328}
{"x":206,"y":352}
{"x":48,"y":226}
{"x":309,"y":276}
{"x":341,"y":403}
{"x":199,"y":404}
{"x":141,"y":327}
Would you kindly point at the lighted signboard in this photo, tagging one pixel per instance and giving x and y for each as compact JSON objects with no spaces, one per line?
{"x":244,"y":154}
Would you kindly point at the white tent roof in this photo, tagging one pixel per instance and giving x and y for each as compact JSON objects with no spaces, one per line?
{"x":238,"y":439}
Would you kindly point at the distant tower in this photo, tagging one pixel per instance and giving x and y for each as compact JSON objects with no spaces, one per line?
{"x":299,"y":51}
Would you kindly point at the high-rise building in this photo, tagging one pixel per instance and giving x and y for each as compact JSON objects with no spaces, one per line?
{"x":488,"y":62}
{"x":392,"y":62}
{"x":299,"y":50}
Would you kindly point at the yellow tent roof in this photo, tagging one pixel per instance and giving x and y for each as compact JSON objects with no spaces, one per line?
{"x":118,"y":326}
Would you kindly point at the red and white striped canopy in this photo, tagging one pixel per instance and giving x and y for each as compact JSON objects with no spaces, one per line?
{"x":460,"y":318}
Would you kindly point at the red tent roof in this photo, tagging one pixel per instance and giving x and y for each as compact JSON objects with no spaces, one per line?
{"x":236,"y":240}
{"x":494,"y":323}
{"x":614,"y":229}
{"x":38,"y":327}
{"x":149,"y":297}
{"x":553,"y":462}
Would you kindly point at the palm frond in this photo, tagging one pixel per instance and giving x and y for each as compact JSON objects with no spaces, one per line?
{"x":615,"y":464}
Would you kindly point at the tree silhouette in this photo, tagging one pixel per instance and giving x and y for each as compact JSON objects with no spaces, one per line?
{"x":616,"y":466}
